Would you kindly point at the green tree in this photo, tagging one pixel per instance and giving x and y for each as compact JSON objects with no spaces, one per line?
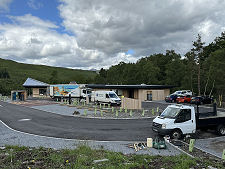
{"x":198,"y":57}
{"x":216,"y":68}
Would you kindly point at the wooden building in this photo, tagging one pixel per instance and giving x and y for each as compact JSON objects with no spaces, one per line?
{"x":36,"y":88}
{"x":133,"y":95}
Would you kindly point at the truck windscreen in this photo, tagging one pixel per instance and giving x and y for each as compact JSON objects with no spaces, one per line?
{"x":170,"y":112}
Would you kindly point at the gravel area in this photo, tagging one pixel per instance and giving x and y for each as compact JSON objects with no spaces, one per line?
{"x":89,"y":111}
{"x":213,"y":146}
{"x":12,"y":137}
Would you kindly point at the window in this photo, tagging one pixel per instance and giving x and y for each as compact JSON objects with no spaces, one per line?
{"x":112,"y":95}
{"x":130,"y":93}
{"x":184,"y":115}
{"x":149,"y":95}
{"x":42,"y":92}
{"x":119,"y":92}
{"x":170,"y":112}
{"x":107,"y":96}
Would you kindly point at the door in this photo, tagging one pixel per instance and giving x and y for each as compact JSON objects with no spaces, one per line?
{"x":185,"y":122}
{"x":107,"y":98}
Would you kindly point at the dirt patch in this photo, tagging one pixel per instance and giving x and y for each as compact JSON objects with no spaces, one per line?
{"x":197,"y":153}
{"x":30,"y":103}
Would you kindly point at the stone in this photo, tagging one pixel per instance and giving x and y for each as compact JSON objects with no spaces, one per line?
{"x":210,"y":167}
{"x":102,"y":160}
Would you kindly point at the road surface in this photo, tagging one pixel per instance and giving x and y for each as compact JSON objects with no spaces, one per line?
{"x":42,"y":123}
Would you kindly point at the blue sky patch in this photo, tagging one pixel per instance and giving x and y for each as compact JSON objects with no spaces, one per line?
{"x":130,"y":52}
{"x":44,"y":9}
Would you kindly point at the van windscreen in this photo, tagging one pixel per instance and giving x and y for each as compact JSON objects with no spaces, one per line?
{"x":170,"y":112}
{"x":112,"y":95}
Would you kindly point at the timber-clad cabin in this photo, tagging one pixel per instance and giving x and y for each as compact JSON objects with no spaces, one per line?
{"x":141,"y":92}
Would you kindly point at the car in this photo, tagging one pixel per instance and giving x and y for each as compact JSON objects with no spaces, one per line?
{"x":183,"y":92}
{"x":171,"y":98}
{"x":201,"y":100}
{"x":183,"y":99}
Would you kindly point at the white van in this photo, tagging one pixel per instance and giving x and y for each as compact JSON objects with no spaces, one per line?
{"x":109,"y":97}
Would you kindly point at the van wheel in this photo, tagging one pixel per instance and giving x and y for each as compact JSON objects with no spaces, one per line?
{"x":176,"y":134}
{"x":221,"y":130}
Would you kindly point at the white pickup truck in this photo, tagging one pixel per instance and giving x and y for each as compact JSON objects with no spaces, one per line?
{"x":178,"y":120}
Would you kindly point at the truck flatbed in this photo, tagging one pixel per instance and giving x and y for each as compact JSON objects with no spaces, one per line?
{"x":211,"y":115}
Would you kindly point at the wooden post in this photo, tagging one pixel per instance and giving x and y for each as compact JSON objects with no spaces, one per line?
{"x":191,"y":145}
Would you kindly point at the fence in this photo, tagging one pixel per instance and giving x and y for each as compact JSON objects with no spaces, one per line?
{"x":128,"y":103}
{"x":3,"y":98}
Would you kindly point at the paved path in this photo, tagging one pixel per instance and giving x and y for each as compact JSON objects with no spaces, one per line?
{"x":48,"y":124}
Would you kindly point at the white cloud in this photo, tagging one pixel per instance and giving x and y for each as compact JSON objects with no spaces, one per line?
{"x":105,"y":30}
{"x":145,"y":26}
{"x":32,"y":40}
{"x":37,"y":43}
{"x":4,"y":5}
{"x":32,"y":21}
{"x":34,"y":4}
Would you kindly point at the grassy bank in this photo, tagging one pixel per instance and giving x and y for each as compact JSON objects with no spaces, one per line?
{"x":17,"y":73}
{"x":84,"y":157}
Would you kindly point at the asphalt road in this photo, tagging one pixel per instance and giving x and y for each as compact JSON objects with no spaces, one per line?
{"x":48,"y":124}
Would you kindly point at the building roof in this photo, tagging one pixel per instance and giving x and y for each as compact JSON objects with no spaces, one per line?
{"x":34,"y":83}
{"x":142,"y":86}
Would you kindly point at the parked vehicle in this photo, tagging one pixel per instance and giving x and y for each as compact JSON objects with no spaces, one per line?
{"x":201,"y":100}
{"x":109,"y":97}
{"x":171,"y":98}
{"x":64,"y":90}
{"x":179,"y":120}
{"x":183,"y":99}
{"x":183,"y":92}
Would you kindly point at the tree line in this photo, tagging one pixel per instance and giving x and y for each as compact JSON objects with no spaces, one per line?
{"x":4,"y":74}
{"x":202,"y":69}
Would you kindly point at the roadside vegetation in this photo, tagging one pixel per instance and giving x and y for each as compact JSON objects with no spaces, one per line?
{"x":85,"y":157}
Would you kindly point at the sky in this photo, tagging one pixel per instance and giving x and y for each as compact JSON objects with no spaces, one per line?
{"x":94,"y":34}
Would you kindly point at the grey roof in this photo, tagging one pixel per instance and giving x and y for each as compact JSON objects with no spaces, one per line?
{"x":102,"y":86}
{"x":34,"y":83}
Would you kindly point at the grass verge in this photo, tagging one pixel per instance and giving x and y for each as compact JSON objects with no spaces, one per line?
{"x":84,"y":157}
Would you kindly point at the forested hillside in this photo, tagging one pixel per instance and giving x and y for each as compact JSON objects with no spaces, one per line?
{"x":13,"y":75}
{"x":201,"y":70}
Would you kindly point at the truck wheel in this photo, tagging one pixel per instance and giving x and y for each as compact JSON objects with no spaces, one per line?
{"x":221,"y":130}
{"x":176,"y":134}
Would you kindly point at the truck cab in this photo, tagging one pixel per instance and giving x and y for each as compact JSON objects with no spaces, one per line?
{"x":175,"y":120}
{"x":85,"y":92}
{"x":178,"y":120}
